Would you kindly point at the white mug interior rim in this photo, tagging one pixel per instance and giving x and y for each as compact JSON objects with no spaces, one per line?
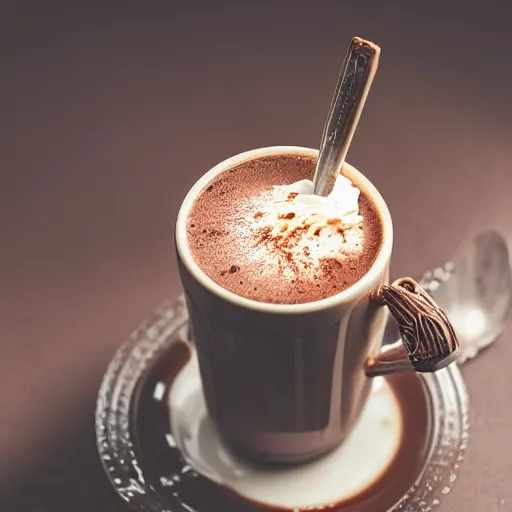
{"x":354,"y":292}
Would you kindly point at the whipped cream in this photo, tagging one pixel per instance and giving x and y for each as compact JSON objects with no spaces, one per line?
{"x":342,"y":203}
{"x":291,"y":223}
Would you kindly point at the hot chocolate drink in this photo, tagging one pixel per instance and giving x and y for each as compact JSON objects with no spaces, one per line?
{"x":285,"y":373}
{"x":258,"y":231}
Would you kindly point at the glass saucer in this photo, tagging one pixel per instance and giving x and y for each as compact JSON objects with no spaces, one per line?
{"x":161,"y":453}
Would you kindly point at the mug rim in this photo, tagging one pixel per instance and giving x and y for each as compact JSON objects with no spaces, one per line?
{"x":352,"y":293}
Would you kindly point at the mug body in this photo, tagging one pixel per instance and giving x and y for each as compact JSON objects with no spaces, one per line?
{"x":283,"y":382}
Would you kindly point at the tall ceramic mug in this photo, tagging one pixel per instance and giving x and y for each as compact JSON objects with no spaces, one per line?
{"x":287,"y":382}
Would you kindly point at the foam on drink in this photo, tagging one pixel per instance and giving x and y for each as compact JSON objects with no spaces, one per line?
{"x":260,"y":232}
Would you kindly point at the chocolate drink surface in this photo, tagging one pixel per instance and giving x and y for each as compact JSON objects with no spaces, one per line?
{"x":257,"y":231}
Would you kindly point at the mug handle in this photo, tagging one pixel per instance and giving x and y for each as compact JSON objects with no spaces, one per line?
{"x":428,"y":340}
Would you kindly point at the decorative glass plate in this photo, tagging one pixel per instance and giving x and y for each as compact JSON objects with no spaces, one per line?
{"x":162,"y":454}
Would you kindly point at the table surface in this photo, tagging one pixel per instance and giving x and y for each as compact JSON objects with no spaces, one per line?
{"x":111,"y":112}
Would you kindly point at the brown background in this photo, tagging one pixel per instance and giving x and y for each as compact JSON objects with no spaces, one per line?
{"x":108,"y":115}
